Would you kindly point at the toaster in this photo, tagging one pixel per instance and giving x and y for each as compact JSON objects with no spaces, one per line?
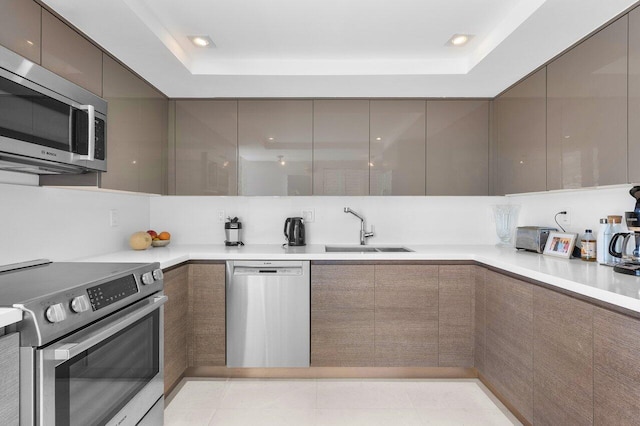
{"x":532,"y":238}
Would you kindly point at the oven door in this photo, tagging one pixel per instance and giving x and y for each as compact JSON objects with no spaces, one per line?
{"x":109,"y":373}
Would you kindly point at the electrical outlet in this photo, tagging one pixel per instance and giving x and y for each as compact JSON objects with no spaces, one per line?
{"x":113,"y":218}
{"x":565,"y":219}
{"x":221,"y":216}
{"x":309,"y":215}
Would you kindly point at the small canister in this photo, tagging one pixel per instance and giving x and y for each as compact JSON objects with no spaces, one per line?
{"x":233,"y":232}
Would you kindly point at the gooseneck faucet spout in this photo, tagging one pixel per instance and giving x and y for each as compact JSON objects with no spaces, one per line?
{"x":363,"y":233}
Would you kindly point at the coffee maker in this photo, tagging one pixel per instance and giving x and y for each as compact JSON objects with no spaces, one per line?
{"x":629,"y":250}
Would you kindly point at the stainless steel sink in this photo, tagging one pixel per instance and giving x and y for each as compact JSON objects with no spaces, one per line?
{"x":365,"y":249}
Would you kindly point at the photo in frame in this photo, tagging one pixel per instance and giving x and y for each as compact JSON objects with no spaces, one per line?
{"x":560,"y":244}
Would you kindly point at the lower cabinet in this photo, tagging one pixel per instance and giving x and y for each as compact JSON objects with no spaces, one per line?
{"x":176,"y":288}
{"x":616,"y":368}
{"x":207,"y":337}
{"x":392,"y":315}
{"x":508,"y":359}
{"x":9,"y":379}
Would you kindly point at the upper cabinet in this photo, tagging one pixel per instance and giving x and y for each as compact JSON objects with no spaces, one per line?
{"x":520,"y":128}
{"x":20,"y":27}
{"x":70,"y":55}
{"x":397,"y":143}
{"x":136,"y":132}
{"x":206,"y":142}
{"x":587,"y":112}
{"x":634,"y":96}
{"x":275,"y":140}
{"x":458,"y":147}
{"x":341,"y":147}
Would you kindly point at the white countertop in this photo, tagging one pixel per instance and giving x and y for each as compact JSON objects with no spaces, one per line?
{"x":9,"y":316}
{"x":585,"y":278}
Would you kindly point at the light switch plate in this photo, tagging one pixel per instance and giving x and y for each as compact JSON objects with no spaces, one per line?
{"x":114,"y":218}
{"x":565,"y":219}
{"x":309,"y":215}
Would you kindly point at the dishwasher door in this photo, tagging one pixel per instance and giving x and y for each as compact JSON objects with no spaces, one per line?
{"x":268,"y":313}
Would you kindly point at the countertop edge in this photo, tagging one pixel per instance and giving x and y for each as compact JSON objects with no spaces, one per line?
{"x":9,"y":316}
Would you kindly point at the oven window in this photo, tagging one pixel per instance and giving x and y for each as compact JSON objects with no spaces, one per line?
{"x":93,"y":386}
{"x":33,"y":117}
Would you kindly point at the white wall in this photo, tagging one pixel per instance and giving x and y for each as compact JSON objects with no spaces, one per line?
{"x":402,"y":220}
{"x":64,"y":224}
{"x":586,"y":206}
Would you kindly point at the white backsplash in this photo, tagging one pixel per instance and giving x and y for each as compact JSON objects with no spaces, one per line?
{"x":586,"y":206}
{"x":64,"y":224}
{"x":396,"y":220}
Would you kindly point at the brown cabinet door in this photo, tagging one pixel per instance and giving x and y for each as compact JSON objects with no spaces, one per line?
{"x":20,"y":27}
{"x":509,"y":340}
{"x":206,"y":142}
{"x":406,"y":315}
{"x":455,"y":301}
{"x":136,"y":132}
{"x":68,"y":54}
{"x":634,"y":96}
{"x":207,"y":336}
{"x":275,"y":139}
{"x":341,"y":147}
{"x":480,"y":311}
{"x":397,"y":140}
{"x":10,"y":379}
{"x":616,"y":345}
{"x":342,"y":316}
{"x":587,"y":112}
{"x":520,"y":131}
{"x":458,"y":147}
{"x":175,"y":325}
{"x":563,"y":359}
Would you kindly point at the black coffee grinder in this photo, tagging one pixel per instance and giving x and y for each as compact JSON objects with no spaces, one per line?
{"x":630,"y":248}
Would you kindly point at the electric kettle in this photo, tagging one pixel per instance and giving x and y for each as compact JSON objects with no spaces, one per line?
{"x":294,"y":231}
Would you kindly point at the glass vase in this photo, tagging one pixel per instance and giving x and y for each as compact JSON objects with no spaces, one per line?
{"x":506,"y":217}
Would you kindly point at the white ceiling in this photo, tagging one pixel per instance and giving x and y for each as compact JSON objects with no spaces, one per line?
{"x":336,"y":48}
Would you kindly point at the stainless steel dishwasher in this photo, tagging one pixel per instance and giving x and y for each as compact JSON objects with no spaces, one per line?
{"x":268,"y":313}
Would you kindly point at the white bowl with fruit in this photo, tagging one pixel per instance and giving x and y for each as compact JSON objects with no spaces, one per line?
{"x":143,"y":240}
{"x":159,"y":239}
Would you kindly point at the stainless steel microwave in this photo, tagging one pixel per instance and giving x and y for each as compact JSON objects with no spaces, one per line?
{"x":48,"y":125}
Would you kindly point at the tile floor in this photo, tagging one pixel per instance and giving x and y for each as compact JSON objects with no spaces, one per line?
{"x":335,"y":402}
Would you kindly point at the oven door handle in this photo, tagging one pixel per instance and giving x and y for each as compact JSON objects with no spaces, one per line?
{"x":66,"y":351}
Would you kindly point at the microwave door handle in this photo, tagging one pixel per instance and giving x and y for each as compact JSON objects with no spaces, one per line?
{"x":64,"y":351}
{"x":91,"y":112}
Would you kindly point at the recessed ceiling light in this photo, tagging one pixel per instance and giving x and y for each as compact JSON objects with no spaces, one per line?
{"x":459,"y":39}
{"x":201,"y":41}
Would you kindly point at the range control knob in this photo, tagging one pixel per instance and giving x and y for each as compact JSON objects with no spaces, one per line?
{"x":55,"y":313}
{"x":157,"y":274}
{"x":147,"y":278}
{"x":80,"y":304}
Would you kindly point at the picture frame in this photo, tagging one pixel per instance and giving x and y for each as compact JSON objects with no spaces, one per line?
{"x":560,"y":244}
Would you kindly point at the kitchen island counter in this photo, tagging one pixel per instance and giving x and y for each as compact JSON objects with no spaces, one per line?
{"x":588,"y":279}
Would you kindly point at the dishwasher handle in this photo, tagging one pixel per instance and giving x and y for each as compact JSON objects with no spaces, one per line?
{"x":267,"y":271}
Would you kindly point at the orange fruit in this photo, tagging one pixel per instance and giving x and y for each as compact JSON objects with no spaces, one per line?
{"x":164,"y":235}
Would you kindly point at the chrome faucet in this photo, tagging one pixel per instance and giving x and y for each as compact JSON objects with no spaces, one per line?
{"x":363,"y":233}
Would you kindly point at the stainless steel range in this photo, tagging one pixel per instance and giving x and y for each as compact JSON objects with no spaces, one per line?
{"x":91,"y":342}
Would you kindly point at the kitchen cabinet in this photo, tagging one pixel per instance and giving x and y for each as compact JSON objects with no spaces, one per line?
{"x":136,"y":132}
{"x":406,"y":315}
{"x":563,"y":360}
{"x":275,"y":139}
{"x":206,"y":138}
{"x":176,"y":288}
{"x":616,"y":370}
{"x":508,"y":358}
{"x":520,"y":128}
{"x":479,"y":320}
{"x":397,"y":141}
{"x":207,"y":338}
{"x":634,"y":97}
{"x":20,"y":27}
{"x":455,"y":316}
{"x":342,"y":315}
{"x":587,"y":112}
{"x":341,"y":147}
{"x":10,"y":379}
{"x":68,"y":54}
{"x":457,"y":147}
